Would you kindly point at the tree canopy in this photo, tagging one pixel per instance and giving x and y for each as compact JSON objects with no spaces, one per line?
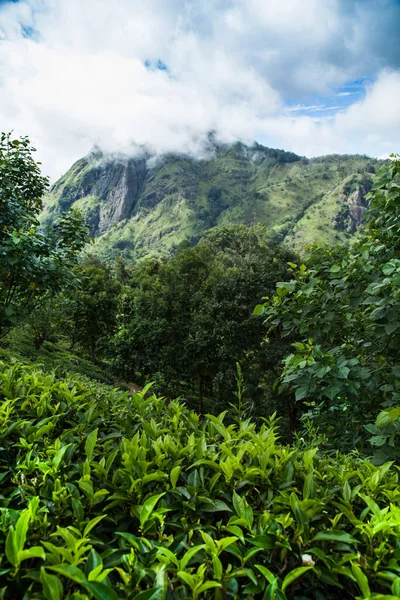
{"x":188,"y":320}
{"x":343,"y":309}
{"x":33,"y":263}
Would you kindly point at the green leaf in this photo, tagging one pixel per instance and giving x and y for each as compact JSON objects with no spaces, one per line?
{"x":269,"y":576}
{"x":271,"y":593}
{"x":11,"y":550}
{"x":148,"y":508}
{"x":71,"y":572}
{"x":149,"y":594}
{"x":215,"y":506}
{"x":266,"y":541}
{"x":86,"y":487}
{"x":208,"y":541}
{"x":208,"y":585}
{"x":157,"y":476}
{"x":78,"y":509}
{"x":391,"y":327}
{"x":335,"y":268}
{"x":101,"y":591}
{"x":293,"y":575}
{"x":187,"y":578}
{"x":301,"y":393}
{"x":94,"y":560}
{"x":236,"y":531}
{"x":225,"y":542}
{"x":90,"y":444}
{"x":21,"y":529}
{"x":59,"y":456}
{"x":239,"y":505}
{"x":377,"y":440}
{"x":389,"y":268}
{"x":343,"y":372}
{"x":174,"y":475}
{"x":259,"y":309}
{"x":396,"y":587}
{"x":186,"y":558}
{"x":362,"y":581}
{"x":91,"y":524}
{"x":346,"y":492}
{"x":383,"y":419}
{"x":335,"y":535}
{"x":52,"y":586}
{"x":33,"y":552}
{"x":170,"y":555}
{"x":308,"y":486}
{"x":217,"y":567}
{"x":286,"y":285}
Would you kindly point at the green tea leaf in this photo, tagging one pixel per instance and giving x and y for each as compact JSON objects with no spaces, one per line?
{"x":293,"y":575}
{"x":51,"y":585}
{"x":92,"y":523}
{"x":335,"y":536}
{"x":186,"y":558}
{"x":11,"y":549}
{"x":208,"y":585}
{"x":90,"y":444}
{"x":362,"y":581}
{"x":174,"y":475}
{"x":208,"y":541}
{"x":21,"y":529}
{"x":71,"y":572}
{"x":93,"y":561}
{"x":269,"y":576}
{"x":148,"y":507}
{"x":149,"y":595}
{"x":239,"y":505}
{"x":101,"y":591}
{"x":33,"y":552}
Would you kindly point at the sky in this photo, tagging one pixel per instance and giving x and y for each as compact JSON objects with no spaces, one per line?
{"x":310,"y":76}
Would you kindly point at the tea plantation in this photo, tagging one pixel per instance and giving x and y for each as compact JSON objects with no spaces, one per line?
{"x":108,"y":495}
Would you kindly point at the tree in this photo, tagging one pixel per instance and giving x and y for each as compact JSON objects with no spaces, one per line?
{"x":343,"y":309}
{"x":187,"y":321}
{"x":91,"y":308}
{"x":33,"y":263}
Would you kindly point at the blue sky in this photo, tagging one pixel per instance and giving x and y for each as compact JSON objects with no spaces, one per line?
{"x":311,"y":76}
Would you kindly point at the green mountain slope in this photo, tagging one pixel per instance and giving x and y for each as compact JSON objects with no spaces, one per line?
{"x":147,"y":205}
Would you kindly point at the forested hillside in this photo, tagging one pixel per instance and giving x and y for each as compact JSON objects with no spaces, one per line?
{"x":147,"y":205}
{"x":222,"y":423}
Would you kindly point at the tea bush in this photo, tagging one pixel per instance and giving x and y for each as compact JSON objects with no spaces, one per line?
{"x":112,"y":495}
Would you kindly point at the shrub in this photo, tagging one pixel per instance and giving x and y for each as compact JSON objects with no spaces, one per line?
{"x":109,"y":495}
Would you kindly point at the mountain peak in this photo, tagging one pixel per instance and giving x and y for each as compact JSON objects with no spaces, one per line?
{"x":141,"y":203}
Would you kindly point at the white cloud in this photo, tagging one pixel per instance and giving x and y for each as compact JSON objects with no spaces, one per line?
{"x":370,"y":126}
{"x":80,"y":78}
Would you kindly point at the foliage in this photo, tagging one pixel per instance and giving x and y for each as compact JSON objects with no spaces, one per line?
{"x":32,"y":263}
{"x":188,"y":320}
{"x":90,"y":310}
{"x":19,"y":345}
{"x":107,"y":495}
{"x":343,"y":308}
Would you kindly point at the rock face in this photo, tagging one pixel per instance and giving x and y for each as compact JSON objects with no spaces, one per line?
{"x":354,"y":205}
{"x":117,"y":185}
{"x":119,"y":188}
{"x":143,"y":205}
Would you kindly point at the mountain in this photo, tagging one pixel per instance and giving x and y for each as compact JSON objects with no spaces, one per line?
{"x":143,"y":205}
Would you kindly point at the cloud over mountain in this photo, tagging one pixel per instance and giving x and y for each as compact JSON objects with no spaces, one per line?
{"x":165,"y":72}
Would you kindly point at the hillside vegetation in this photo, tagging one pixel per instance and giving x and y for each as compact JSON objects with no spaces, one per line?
{"x":283,"y":487}
{"x":111,"y":495}
{"x":141,"y":206}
